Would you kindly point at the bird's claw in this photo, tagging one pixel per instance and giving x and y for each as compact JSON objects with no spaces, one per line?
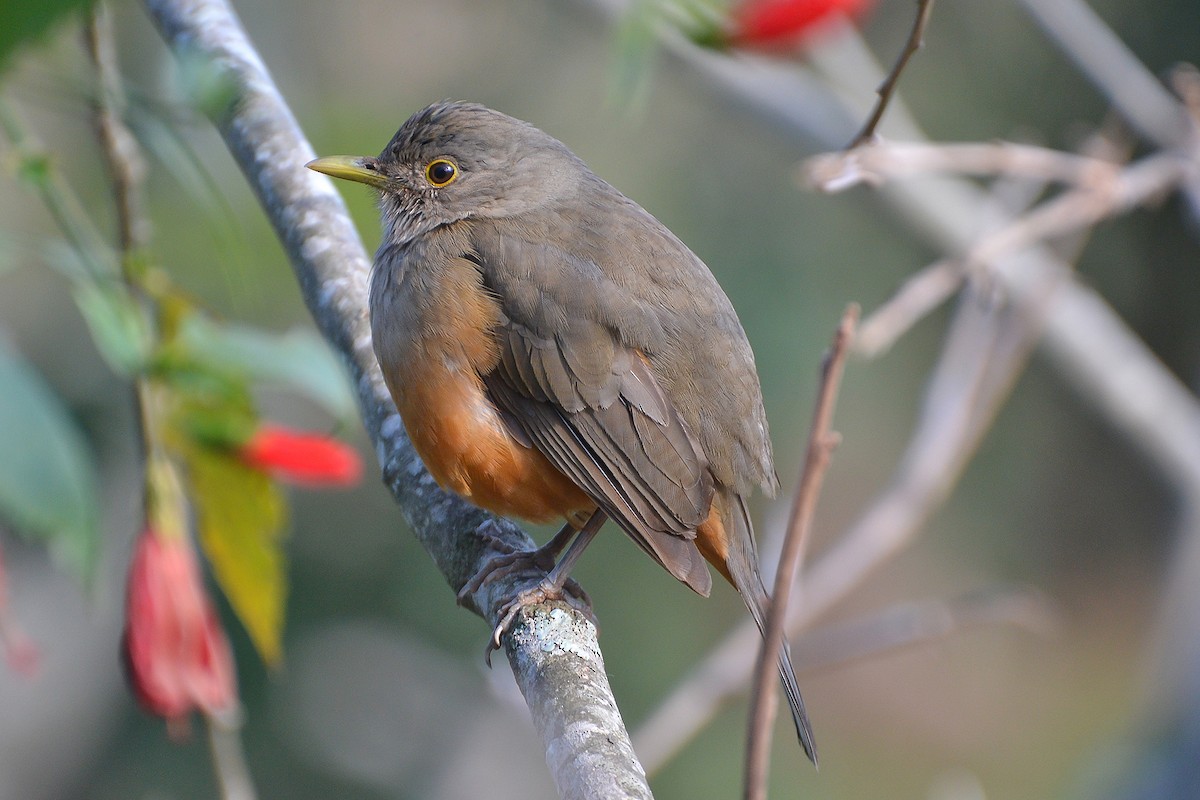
{"x":570,"y":593}
{"x":504,"y":565}
{"x":512,"y":560}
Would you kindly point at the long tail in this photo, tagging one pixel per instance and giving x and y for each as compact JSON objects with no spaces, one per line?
{"x":742,"y":563}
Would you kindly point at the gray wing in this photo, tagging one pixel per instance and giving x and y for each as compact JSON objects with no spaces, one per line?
{"x":594,"y":409}
{"x":610,"y":262}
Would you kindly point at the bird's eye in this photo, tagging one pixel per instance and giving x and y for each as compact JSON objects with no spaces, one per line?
{"x":441,"y":172}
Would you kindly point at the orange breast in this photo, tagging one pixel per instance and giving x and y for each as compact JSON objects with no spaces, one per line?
{"x":468,"y":450}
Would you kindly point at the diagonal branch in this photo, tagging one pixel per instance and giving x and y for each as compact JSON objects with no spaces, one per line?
{"x":552,"y":650}
{"x":1116,"y":72}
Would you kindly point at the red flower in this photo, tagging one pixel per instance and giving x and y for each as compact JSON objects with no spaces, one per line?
{"x":305,"y":458}
{"x":176,"y":655}
{"x":773,"y":22}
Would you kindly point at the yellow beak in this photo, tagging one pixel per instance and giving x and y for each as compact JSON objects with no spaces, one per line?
{"x":352,"y":168}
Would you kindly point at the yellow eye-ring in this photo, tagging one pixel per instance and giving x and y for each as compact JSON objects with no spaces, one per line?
{"x":441,"y":172}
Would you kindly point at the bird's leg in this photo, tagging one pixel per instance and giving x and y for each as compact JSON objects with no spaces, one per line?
{"x":497,"y":567}
{"x":551,"y":587}
{"x":554,"y":581}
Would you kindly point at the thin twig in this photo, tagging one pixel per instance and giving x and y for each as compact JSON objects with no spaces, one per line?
{"x":126,"y":167}
{"x":916,"y":40}
{"x":96,"y":257}
{"x":821,"y":443}
{"x":975,"y":372}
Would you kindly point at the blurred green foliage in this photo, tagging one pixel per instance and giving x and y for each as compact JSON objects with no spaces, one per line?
{"x":24,"y":22}
{"x":47,"y":479}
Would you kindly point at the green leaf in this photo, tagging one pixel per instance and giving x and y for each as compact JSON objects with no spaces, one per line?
{"x":34,"y":169}
{"x":22,"y":21}
{"x":118,"y":325}
{"x":47,"y":475}
{"x":299,"y":358}
{"x":240,"y":514}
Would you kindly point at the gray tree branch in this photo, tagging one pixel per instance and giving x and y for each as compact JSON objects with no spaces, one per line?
{"x":552,"y":649}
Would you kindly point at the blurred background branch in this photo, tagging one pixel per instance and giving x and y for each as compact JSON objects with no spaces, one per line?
{"x":1093,"y":348}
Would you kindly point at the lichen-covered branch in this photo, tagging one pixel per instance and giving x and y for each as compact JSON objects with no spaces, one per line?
{"x":552,"y":649}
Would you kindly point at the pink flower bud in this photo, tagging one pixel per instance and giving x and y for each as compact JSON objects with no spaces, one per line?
{"x":176,"y":654}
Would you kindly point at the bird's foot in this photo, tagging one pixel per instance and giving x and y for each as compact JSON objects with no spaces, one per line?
{"x":546,"y":590}
{"x":554,"y":584}
{"x":502,"y":566}
{"x":541,"y":559}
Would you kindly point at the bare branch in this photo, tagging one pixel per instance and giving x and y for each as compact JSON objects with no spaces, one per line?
{"x":1185,"y":80}
{"x":887,"y":89}
{"x":549,"y":659}
{"x":821,"y":443}
{"x":1084,"y":338}
{"x":1092,"y":348}
{"x":877,"y":162}
{"x":920,"y":294}
{"x":1073,"y":211}
{"x":1141,"y":182}
{"x":557,"y":662}
{"x":1135,"y":92}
